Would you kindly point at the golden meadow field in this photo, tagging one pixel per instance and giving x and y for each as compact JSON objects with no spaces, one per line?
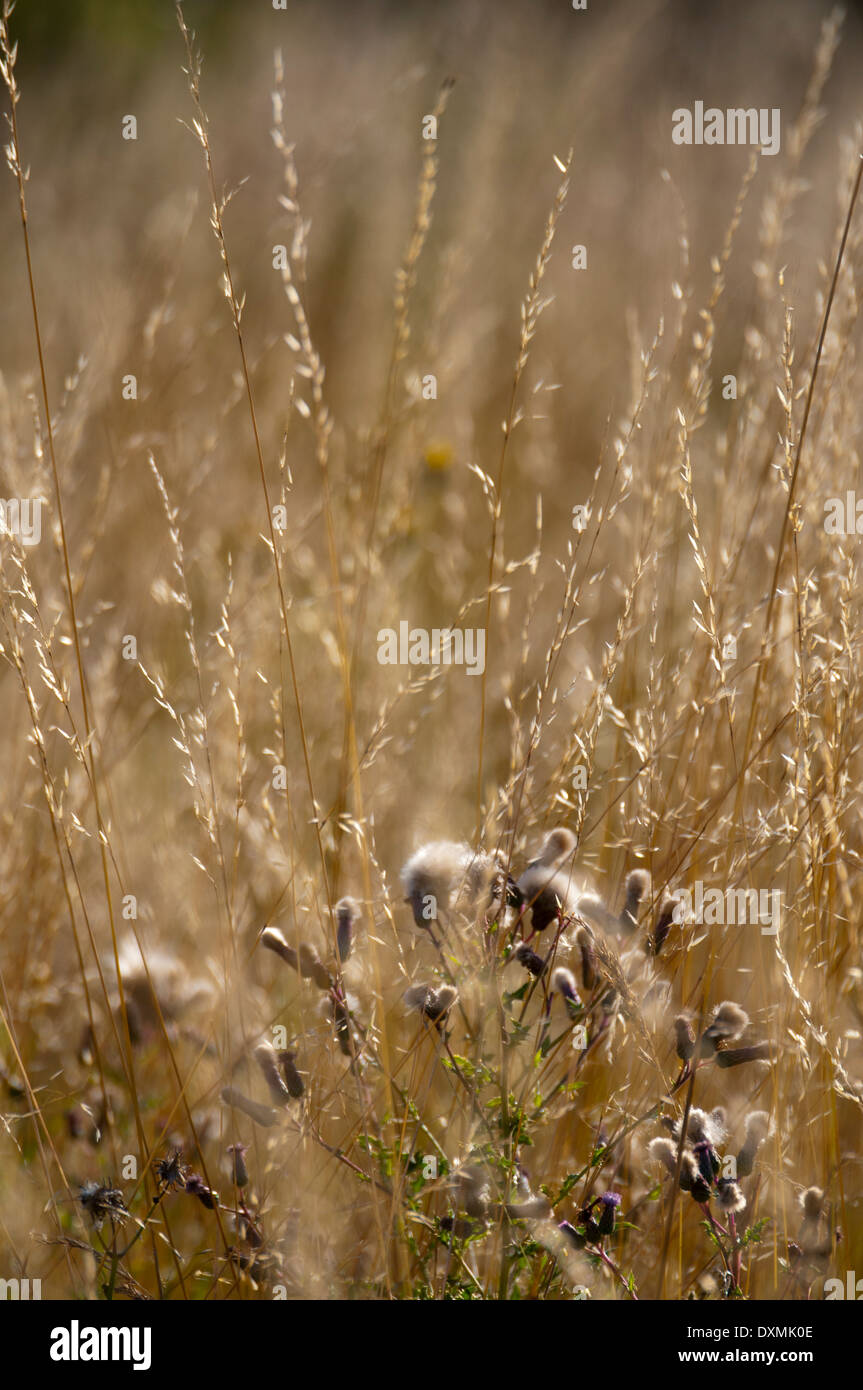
{"x":339,"y":959}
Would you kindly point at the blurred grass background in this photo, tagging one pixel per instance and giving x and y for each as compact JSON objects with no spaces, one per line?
{"x":127,"y":274}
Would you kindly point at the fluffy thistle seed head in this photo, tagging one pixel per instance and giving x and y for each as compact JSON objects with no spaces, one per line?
{"x":557,"y":846}
{"x":756,"y":1126}
{"x":689,"y":1174}
{"x":665,"y":1152}
{"x":547,"y":895}
{"x":433,"y":1004}
{"x":637,"y":888}
{"x":706,"y":1128}
{"x":729,"y":1195}
{"x":684,"y":1038}
{"x":812,"y":1203}
{"x":728,"y":1023}
{"x":444,"y":874}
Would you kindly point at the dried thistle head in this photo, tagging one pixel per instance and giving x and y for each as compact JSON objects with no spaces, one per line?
{"x":171,"y":1171}
{"x":103,"y":1203}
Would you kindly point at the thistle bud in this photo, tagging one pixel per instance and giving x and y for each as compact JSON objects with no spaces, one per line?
{"x":239,"y":1172}
{"x":637,"y":886}
{"x":755,"y":1127}
{"x":609,"y":1202}
{"x":736,"y":1056}
{"x":261,"y":1114}
{"x":708,"y":1161}
{"x":664,"y":923}
{"x":293,"y":1080}
{"x":274,"y":941}
{"x":684,"y":1037}
{"x":265,"y":1056}
{"x":563,"y":983}
{"x":571,"y":1235}
{"x":312,"y":968}
{"x":347,"y":915}
{"x":533,"y":964}
{"x":196,"y":1187}
{"x":589,"y":973}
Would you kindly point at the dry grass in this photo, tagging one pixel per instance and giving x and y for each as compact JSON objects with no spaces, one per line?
{"x":279,"y":492}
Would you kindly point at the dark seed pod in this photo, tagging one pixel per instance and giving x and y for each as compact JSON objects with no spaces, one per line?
{"x":533,"y":964}
{"x":700,"y":1191}
{"x":342,"y":1026}
{"x":708,"y":1161}
{"x":293,"y":1080}
{"x":239,"y":1172}
{"x":572,"y":1236}
{"x":735,"y":1056}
